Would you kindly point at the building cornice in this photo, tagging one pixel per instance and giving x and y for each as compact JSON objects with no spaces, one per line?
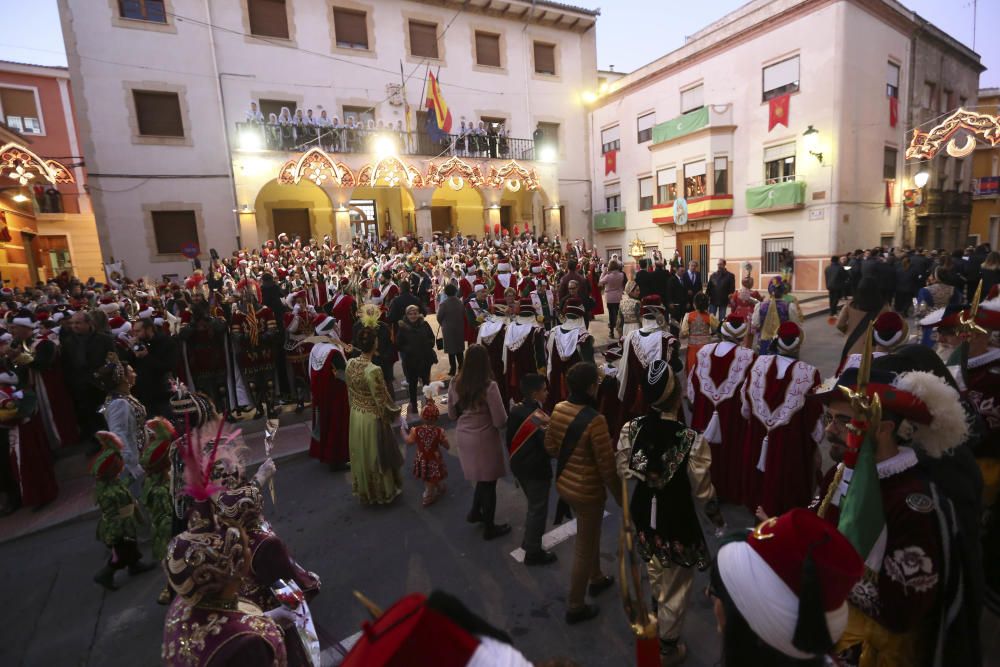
{"x":543,"y":13}
{"x":46,"y":71}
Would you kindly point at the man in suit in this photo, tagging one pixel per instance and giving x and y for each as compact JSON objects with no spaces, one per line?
{"x":83,"y":352}
{"x":644,"y":279}
{"x":691,"y":279}
{"x":531,"y":464}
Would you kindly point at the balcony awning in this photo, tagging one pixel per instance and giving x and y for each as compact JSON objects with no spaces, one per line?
{"x":776,"y":196}
{"x":678,"y":127}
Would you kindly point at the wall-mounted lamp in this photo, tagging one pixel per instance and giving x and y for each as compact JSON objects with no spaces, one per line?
{"x":920,"y":178}
{"x":811,"y":138}
{"x":244,"y":208}
{"x":19,"y":198}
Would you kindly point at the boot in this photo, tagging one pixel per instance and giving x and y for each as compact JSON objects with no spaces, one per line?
{"x":106,"y":577}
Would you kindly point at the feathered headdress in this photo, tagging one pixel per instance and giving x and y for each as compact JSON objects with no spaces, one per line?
{"x":431,"y":411}
{"x":369,"y":315}
{"x":199,"y":462}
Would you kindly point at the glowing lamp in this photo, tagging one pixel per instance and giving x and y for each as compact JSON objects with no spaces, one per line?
{"x":547,"y":154}
{"x":811,"y":139}
{"x":384,"y":147}
{"x":589,"y":96}
{"x":920,"y":178}
{"x":19,"y":198}
{"x":251,"y":141}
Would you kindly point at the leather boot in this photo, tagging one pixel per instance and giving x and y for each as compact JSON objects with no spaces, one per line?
{"x":106,"y":577}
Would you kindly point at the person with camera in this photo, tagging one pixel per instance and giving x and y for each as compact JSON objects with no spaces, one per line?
{"x":154,"y":357}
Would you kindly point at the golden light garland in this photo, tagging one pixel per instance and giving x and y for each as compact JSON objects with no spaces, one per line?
{"x":925,"y":145}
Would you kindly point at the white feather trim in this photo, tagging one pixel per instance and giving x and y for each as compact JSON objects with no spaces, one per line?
{"x":949,"y":425}
{"x":433,"y":390}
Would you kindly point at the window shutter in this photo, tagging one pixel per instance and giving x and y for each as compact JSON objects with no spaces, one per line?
{"x":646,"y":186}
{"x":694,"y":169}
{"x":612,"y":189}
{"x":423,"y":39}
{"x":172,"y":229}
{"x":610,"y":135}
{"x":721,"y":163}
{"x":779,"y":152}
{"x":17,"y":102}
{"x":666,"y":176}
{"x":646,"y":122}
{"x":351,"y":28}
{"x":545,"y":58}
{"x":487,"y":49}
{"x":268,"y":18}
{"x":692,"y":98}
{"x":158,"y":114}
{"x":781,"y":74}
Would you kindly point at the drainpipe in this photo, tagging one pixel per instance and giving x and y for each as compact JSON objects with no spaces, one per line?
{"x":222,"y":118}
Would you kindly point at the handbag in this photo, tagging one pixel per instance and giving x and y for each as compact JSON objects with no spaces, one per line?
{"x":439,"y":340}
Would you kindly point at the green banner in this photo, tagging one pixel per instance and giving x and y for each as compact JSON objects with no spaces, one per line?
{"x":678,"y":127}
{"x":789,"y":193}
{"x":609,"y":221}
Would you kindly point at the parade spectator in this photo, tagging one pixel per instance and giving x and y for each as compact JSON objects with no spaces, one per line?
{"x":644,"y":278}
{"x":83,"y":352}
{"x":990,"y":272}
{"x":474,"y":402}
{"x":428,"y":463}
{"x":867,"y":304}
{"x":721,"y":285}
{"x":154,"y":354}
{"x":906,"y":286}
{"x":451,"y":320}
{"x":571,"y":274}
{"x":578,"y":439}
{"x":697,"y":328}
{"x":836,"y":281}
{"x":613,"y":284}
{"x":691,"y":279}
{"x":415,"y":341}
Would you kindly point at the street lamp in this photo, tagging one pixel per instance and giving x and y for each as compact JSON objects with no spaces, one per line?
{"x":811,"y":138}
{"x":547,"y":153}
{"x":920,"y":178}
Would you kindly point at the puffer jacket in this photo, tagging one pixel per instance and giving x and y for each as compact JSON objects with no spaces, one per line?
{"x":591,"y":466}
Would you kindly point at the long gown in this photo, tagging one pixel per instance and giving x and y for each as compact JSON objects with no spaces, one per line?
{"x":329,"y":441}
{"x":370,"y":403}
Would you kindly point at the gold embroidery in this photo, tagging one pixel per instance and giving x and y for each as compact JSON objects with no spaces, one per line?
{"x":758,"y":532}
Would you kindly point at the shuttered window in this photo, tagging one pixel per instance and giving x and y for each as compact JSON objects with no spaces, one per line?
{"x":143,"y":10}
{"x":610,"y":139}
{"x":781,"y":78}
{"x":644,"y":127}
{"x":158,"y":113}
{"x":172,"y":229}
{"x":545,"y":58}
{"x":423,"y":39}
{"x":487,"y":49}
{"x":666,"y":185}
{"x":692,"y":98}
{"x":350,"y":28}
{"x":268,"y":18}
{"x":645,"y":193}
{"x":19,"y":110}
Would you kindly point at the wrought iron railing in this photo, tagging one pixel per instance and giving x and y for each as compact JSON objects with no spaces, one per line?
{"x":300,"y":138}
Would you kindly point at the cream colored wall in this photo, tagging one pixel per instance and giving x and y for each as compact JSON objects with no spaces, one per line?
{"x":303,"y":195}
{"x":84,"y":245}
{"x":467,"y":209}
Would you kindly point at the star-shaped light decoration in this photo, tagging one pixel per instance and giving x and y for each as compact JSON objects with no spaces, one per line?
{"x":20,"y":174}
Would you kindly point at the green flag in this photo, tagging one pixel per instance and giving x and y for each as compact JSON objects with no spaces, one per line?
{"x":775,"y":195}
{"x":862,"y":519}
{"x":678,"y":127}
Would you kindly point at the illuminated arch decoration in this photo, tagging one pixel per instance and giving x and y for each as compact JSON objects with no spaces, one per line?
{"x":317,"y":166}
{"x":393,"y":172}
{"x":925,"y":145}
{"x":21,"y":165}
{"x":456,"y":173}
{"x":513,"y":177}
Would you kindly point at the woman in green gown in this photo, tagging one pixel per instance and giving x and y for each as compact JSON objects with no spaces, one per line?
{"x":376,"y":476}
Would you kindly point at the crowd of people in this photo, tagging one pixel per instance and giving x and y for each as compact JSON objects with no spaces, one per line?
{"x":146,"y":375}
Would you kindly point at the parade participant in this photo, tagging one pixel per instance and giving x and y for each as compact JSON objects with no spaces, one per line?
{"x":477,"y":308}
{"x":745,"y":299}
{"x":629,"y":309}
{"x":119,"y":518}
{"x":770,"y":314}
{"x":982,"y":378}
{"x":544,"y":302}
{"x":530,"y":463}
{"x":492,"y":331}
{"x":330,"y":409}
{"x":577,"y":437}
{"x":386,"y":355}
{"x":476,"y":404}
{"x":389,"y":289}
{"x":32,"y":456}
{"x":428,"y":463}
{"x":901,"y":612}
{"x":698,"y":327}
{"x":205,"y":350}
{"x":205,"y":566}
{"x":343,"y":308}
{"x":651,"y":341}
{"x":523,"y":349}
{"x":155,"y":496}
{"x":415,"y":341}
{"x":713,"y":392}
{"x":124,"y":414}
{"x":889,"y":333}
{"x":592,"y":288}
{"x":374,"y":454}
{"x":780,"y":592}
{"x":567,"y":344}
{"x":503,"y":280}
{"x":8,"y":421}
{"x":298,"y":329}
{"x":780,"y":465}
{"x":57,"y":403}
{"x":253,"y":329}
{"x":670,"y":463}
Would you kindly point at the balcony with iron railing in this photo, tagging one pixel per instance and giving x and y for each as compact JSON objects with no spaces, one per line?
{"x":945,"y":203}
{"x":298,"y":139}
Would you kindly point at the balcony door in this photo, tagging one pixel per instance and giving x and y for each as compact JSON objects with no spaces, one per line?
{"x":292,"y":221}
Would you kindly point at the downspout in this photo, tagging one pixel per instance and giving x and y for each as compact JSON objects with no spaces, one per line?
{"x":222,"y":119}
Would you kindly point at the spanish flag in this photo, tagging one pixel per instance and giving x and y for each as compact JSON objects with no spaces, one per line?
{"x":441,"y":118}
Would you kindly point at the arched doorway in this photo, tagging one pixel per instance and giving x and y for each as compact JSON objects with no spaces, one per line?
{"x":454,"y":211}
{"x":302,"y":210}
{"x":375,"y":210}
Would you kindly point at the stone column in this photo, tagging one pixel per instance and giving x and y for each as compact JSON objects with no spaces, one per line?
{"x":342,"y":226}
{"x":249,"y":237}
{"x":425,"y":228}
{"x":491,"y":218}
{"x":550,"y":215}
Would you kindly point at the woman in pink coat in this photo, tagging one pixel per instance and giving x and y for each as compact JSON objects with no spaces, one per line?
{"x":475,"y":403}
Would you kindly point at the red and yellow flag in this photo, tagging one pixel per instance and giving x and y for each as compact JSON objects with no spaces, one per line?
{"x":436,"y":103}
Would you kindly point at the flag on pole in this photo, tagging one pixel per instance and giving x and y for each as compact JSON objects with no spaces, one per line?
{"x":893,"y":111}
{"x":862,"y":517}
{"x":439,"y":120}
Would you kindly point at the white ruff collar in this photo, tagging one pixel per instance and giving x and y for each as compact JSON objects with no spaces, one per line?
{"x":987,"y":357}
{"x":901,"y":461}
{"x":650,"y":325}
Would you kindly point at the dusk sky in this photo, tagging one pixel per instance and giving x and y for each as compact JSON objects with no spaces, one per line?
{"x":630,"y":33}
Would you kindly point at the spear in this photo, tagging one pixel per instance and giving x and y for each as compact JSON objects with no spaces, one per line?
{"x":270,"y":430}
{"x":641,"y":621}
{"x":967,"y":326}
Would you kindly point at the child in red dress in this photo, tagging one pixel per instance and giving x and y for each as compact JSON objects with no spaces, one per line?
{"x":429,"y":464}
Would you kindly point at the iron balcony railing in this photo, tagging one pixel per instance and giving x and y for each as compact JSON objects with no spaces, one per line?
{"x":300,"y":138}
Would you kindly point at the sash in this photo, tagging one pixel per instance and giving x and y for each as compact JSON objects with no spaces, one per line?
{"x":528,"y":428}
{"x":572,"y":436}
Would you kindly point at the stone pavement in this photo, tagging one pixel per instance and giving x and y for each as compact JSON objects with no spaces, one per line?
{"x":75,"y":500}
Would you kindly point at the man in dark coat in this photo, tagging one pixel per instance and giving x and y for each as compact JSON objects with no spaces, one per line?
{"x":83,"y":352}
{"x":721,"y":285}
{"x":154,"y":358}
{"x":571,"y":274}
{"x":272,"y":297}
{"x":836,"y":281}
{"x":451,"y":320}
{"x":644,"y":278}
{"x":691,"y":280}
{"x":531,"y":464}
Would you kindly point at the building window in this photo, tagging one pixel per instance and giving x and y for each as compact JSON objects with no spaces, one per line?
{"x":613,"y":253}
{"x":172,"y":229}
{"x":692,"y":98}
{"x":644,"y":127}
{"x":350,"y":28}
{"x":666,"y":185}
{"x":19,"y":110}
{"x":947,"y":97}
{"x":547,"y":134}
{"x":143,"y":10}
{"x":892,"y":81}
{"x":487,"y":49}
{"x":545,"y":58}
{"x":268,"y":107}
{"x":771,"y":253}
{"x":268,"y":18}
{"x":889,"y":164}
{"x":610,"y":140}
{"x":645,"y":193}
{"x":359,"y":114}
{"x":423,"y":40}
{"x":781,"y":78}
{"x":779,"y":163}
{"x":694,"y":180}
{"x":613,"y":197}
{"x":721,"y":165}
{"x":158,"y":113}
{"x":930,"y":95}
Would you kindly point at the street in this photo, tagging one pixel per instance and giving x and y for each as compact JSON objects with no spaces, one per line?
{"x":56,"y":615}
